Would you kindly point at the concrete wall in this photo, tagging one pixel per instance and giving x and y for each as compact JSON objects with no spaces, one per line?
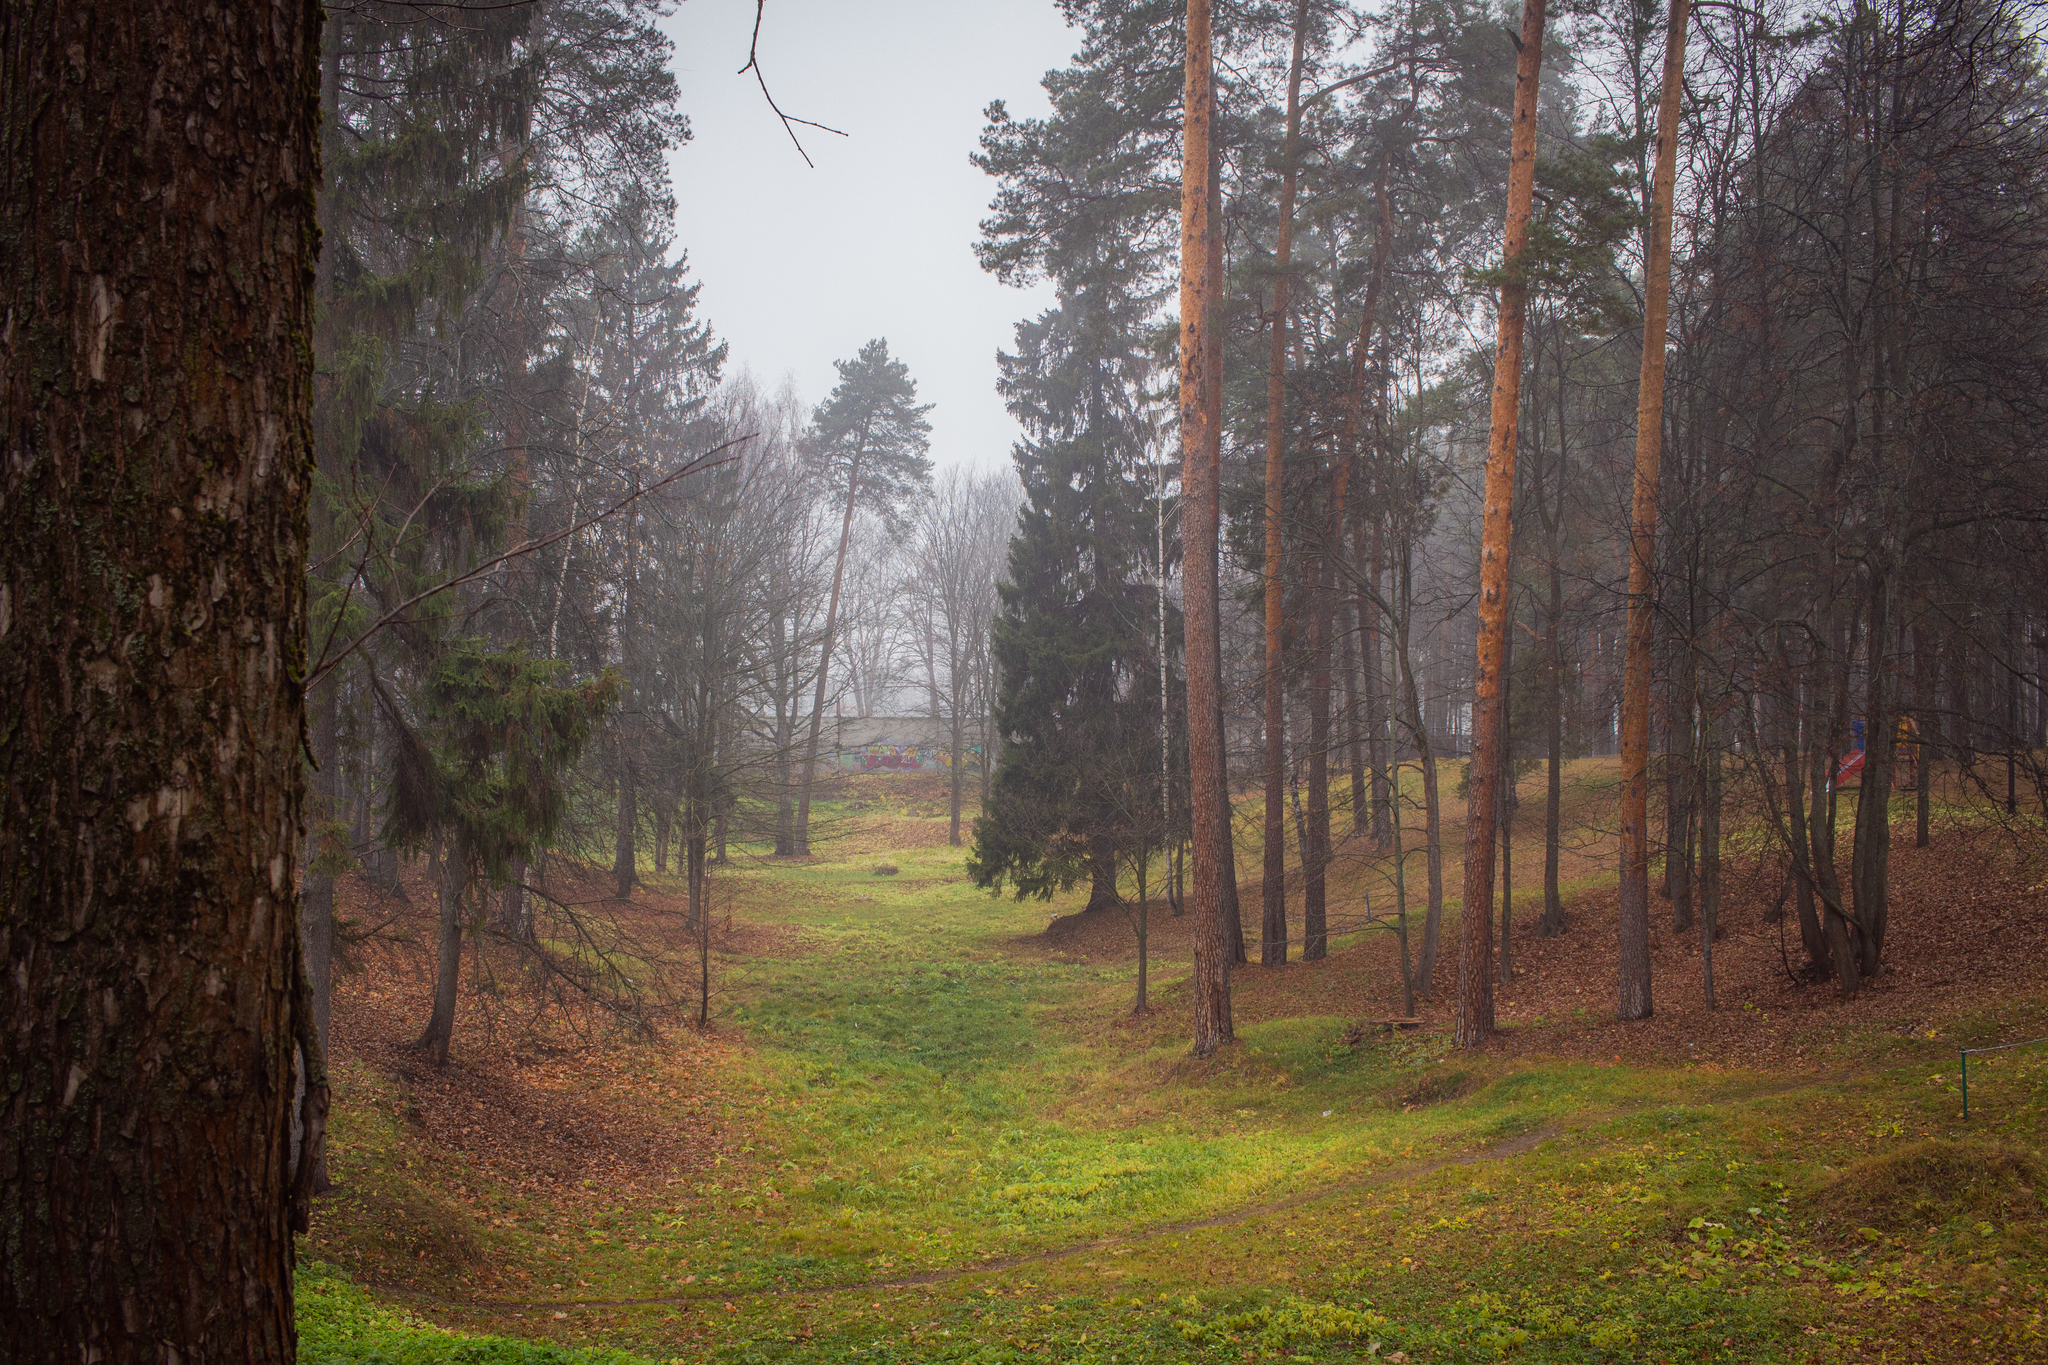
{"x":900,"y":744}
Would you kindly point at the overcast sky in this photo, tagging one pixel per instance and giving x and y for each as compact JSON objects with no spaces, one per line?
{"x":799,"y":267}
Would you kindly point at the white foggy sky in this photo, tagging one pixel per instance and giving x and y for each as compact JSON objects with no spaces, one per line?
{"x":799,"y":267}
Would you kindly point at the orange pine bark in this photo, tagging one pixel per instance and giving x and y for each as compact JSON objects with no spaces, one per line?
{"x":1199,"y":487}
{"x":1475,"y":951}
{"x":1635,"y":1000}
{"x":1273,"y":897}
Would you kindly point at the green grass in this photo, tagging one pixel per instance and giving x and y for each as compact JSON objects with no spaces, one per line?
{"x":932,"y":1092}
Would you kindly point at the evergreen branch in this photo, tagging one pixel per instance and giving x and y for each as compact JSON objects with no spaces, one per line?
{"x":327,"y":665}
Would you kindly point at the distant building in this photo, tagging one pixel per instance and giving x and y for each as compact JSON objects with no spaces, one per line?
{"x":899,"y":744}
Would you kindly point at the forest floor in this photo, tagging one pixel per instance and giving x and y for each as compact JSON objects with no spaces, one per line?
{"x":924,"y":1125}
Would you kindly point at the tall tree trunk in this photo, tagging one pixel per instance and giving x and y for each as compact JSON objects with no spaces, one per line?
{"x":694,"y":851}
{"x":1354,"y":740}
{"x":316,"y":909}
{"x":1380,"y":700}
{"x":1425,"y":757}
{"x":1821,"y":826}
{"x":160,"y":163}
{"x":626,"y":858}
{"x":959,"y":760}
{"x":802,"y":840}
{"x":1315,"y":928}
{"x":1198,"y":308}
{"x":448,"y":958}
{"x":1682,"y":760}
{"x":1925,"y":753}
{"x":1811,"y":935}
{"x":1408,"y":973}
{"x":1710,"y":855}
{"x":1508,"y":803}
{"x":1101,"y":874}
{"x":785,"y":735}
{"x":1489,"y":688}
{"x":626,"y":855}
{"x":1212,"y":267}
{"x":1634,"y":995}
{"x":1553,"y":789}
{"x":1273,"y":886}
{"x":1871,"y":866}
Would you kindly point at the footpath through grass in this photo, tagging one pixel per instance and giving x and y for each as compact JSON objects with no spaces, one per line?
{"x":925,"y":1091}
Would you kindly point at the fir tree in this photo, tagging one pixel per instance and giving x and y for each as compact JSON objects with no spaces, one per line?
{"x":1077,"y":700}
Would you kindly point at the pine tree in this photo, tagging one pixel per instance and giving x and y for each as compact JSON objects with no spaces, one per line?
{"x":871,"y":437}
{"x":161,"y":163}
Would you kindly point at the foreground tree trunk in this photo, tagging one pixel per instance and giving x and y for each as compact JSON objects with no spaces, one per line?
{"x":156,"y":234}
{"x":1489,"y":687}
{"x":1634,"y":993}
{"x":1198,"y":302}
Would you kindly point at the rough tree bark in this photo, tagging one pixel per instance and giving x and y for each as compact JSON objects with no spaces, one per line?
{"x":1198,"y":302}
{"x":1489,"y":691}
{"x":158,"y":166}
{"x":1634,"y":993}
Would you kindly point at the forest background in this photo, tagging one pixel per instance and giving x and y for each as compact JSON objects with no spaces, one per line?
{"x":575,"y":598}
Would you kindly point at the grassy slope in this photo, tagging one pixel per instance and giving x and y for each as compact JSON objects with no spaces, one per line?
{"x":933,"y":1089}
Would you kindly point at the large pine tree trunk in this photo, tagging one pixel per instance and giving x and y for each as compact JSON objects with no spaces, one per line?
{"x":1273,"y":886}
{"x":1634,"y":998}
{"x":1489,"y":685}
{"x":1210,"y":987}
{"x":160,"y":163}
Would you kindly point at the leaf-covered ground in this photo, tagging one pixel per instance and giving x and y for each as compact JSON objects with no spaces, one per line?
{"x":924,"y":1127}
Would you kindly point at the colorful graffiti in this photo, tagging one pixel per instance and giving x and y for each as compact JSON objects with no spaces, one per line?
{"x":889,"y":758}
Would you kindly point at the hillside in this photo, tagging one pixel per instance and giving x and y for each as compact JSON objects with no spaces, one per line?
{"x":925,"y":1126}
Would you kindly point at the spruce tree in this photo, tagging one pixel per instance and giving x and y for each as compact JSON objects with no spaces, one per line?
{"x":1077,"y":699}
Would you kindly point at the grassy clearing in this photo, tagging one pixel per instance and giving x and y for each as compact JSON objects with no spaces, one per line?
{"x":922,"y":1088}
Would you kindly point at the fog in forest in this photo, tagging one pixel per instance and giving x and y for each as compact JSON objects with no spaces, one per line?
{"x":1088,"y":680}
